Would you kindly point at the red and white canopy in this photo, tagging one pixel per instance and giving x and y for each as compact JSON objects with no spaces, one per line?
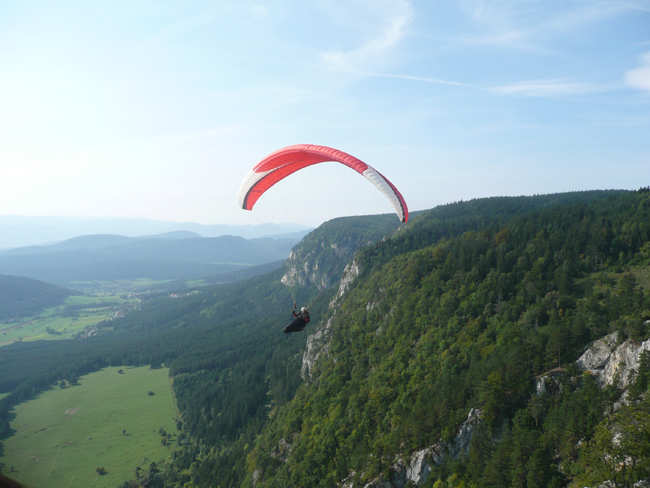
{"x":280,"y":164}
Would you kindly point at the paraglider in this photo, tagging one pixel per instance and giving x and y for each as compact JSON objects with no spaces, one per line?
{"x":300,"y":320}
{"x":280,"y":164}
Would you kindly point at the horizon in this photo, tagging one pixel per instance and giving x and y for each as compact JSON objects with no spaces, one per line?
{"x":158,"y":112}
{"x":297,"y":224}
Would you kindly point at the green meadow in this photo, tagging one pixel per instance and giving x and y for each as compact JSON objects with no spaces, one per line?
{"x":109,"y":420}
{"x":63,"y":321}
{"x":119,"y":287}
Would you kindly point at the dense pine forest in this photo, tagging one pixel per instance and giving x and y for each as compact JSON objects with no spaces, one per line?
{"x":463,"y":313}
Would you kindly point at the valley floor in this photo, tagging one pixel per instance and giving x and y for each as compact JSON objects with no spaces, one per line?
{"x":112,"y":419}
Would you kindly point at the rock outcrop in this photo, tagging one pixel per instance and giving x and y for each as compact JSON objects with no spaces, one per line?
{"x":318,"y":342}
{"x":350,"y":273}
{"x":320,"y":257}
{"x":611,"y":362}
{"x":304,"y":271}
{"x":417,"y":469}
{"x":317,"y":346}
{"x":549,"y":382}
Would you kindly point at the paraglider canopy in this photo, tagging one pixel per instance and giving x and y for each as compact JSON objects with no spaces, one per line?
{"x":280,"y":164}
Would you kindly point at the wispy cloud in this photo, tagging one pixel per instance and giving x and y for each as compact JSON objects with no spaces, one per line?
{"x":375,"y":48}
{"x":546,"y":88}
{"x":423,"y":79}
{"x":530,"y":25}
{"x":530,"y":88}
{"x":640,"y":77}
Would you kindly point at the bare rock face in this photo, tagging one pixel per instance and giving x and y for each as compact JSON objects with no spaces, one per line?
{"x":612,"y":363}
{"x":421,"y":463}
{"x":611,"y":484}
{"x":318,"y":342}
{"x":317,"y":346}
{"x":460,"y":446}
{"x":624,"y":363}
{"x":318,"y":260}
{"x":549,"y":381}
{"x":304,"y":271}
{"x":350,"y":273}
{"x":597,"y":354}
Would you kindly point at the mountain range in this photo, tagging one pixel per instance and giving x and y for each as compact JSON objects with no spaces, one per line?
{"x":21,"y":231}
{"x":175,"y":255}
{"x":466,"y":348}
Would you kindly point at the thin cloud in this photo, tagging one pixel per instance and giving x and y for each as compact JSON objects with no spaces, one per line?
{"x":375,"y":48}
{"x":545,"y":88}
{"x":526,"y":26}
{"x":424,"y":79}
{"x":639,"y":78}
{"x":529,"y":88}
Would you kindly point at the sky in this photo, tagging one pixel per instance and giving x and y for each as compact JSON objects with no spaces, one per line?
{"x":153,"y":109}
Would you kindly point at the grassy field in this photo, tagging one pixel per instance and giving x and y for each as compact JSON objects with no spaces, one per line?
{"x":117,"y":287}
{"x":64,"y":321}
{"x":65,"y":434}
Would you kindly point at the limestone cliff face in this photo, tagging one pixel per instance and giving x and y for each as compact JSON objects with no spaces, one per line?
{"x":350,"y":273}
{"x":319,"y":259}
{"x":324,"y":259}
{"x":317,"y":346}
{"x":611,"y":362}
{"x":305,"y":267}
{"x":318,"y":342}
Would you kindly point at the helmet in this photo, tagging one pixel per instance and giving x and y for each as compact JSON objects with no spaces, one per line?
{"x":304,"y":309}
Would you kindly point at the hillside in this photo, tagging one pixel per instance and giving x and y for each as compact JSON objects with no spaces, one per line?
{"x":424,"y":367}
{"x":21,"y":296}
{"x":159,"y":257}
{"x":435,"y":337}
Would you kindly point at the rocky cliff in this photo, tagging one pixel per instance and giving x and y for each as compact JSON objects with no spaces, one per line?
{"x":612,"y":362}
{"x":320,"y":258}
{"x":326,"y":257}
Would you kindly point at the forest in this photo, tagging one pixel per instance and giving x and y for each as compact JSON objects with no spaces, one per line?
{"x":21,"y":296}
{"x":461,"y":309}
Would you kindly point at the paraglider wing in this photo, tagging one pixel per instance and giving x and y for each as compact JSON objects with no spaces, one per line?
{"x":288,"y":160}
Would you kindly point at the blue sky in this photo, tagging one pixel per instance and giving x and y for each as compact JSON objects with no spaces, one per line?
{"x":159,"y":109}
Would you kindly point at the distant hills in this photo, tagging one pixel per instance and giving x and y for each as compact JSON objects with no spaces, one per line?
{"x":17,"y":231}
{"x":175,"y":255}
{"x":21,"y":296}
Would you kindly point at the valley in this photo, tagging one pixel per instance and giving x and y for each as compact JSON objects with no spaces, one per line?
{"x":68,"y":320}
{"x":112,"y":419}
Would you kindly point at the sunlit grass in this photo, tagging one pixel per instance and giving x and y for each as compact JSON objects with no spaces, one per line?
{"x":63,"y":321}
{"x":65,"y":434}
{"x":116,"y":287}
